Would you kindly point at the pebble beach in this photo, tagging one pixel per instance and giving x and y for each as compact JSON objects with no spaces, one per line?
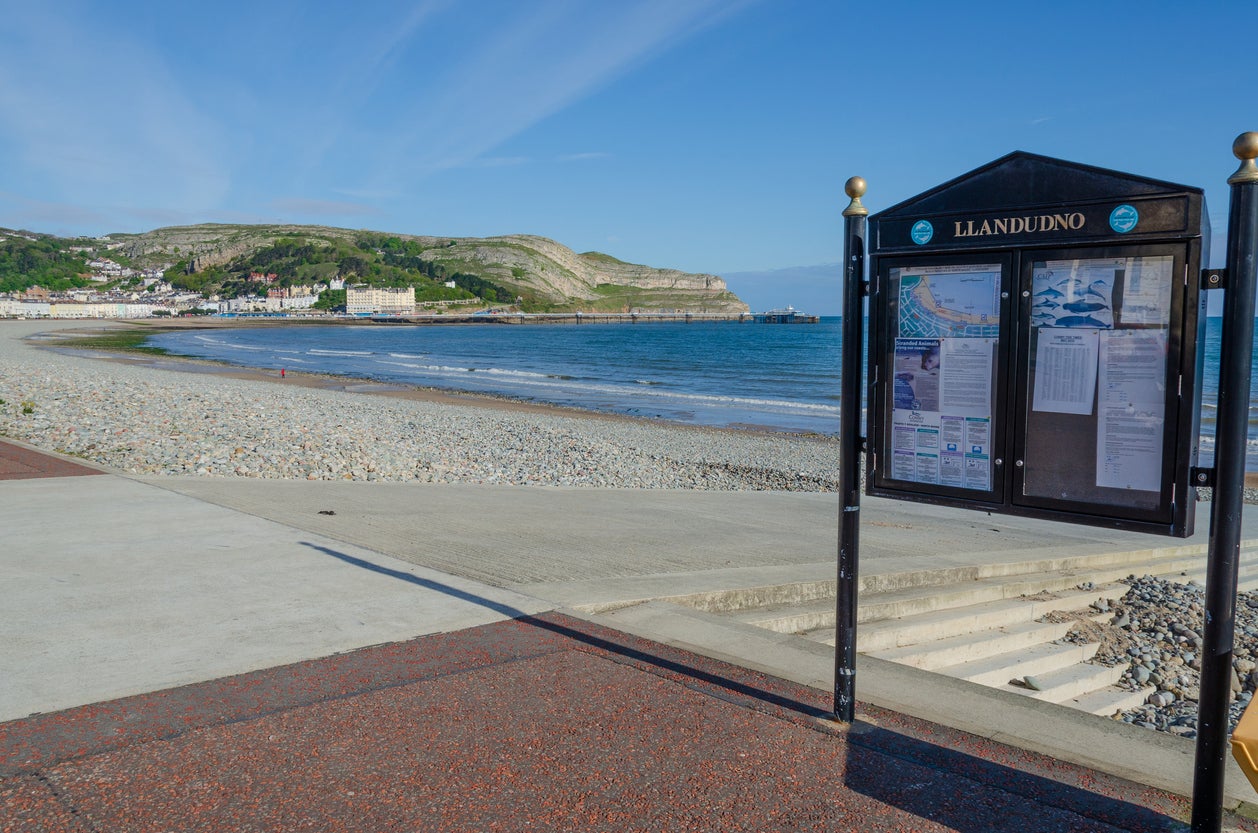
{"x":138,"y":417}
{"x":154,"y":416}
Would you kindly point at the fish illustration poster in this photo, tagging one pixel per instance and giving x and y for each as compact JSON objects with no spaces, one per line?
{"x":1074,"y":293}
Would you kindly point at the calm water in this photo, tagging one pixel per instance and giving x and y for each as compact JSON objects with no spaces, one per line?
{"x":710,"y":373}
{"x":722,"y":374}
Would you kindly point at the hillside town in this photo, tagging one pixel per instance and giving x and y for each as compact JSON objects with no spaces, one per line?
{"x":145,"y":293}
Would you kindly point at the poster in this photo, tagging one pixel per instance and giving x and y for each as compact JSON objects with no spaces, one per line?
{"x":1065,"y":370}
{"x":966,"y":384}
{"x":941,"y":411}
{"x":1074,"y":293}
{"x":960,"y":301}
{"x":917,"y":374}
{"x":1146,"y":298}
{"x":1131,"y":411}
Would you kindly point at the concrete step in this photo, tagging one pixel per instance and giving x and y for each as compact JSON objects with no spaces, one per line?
{"x":940,"y":624}
{"x":1109,"y":700}
{"x":1246,"y":579}
{"x":818,"y":613}
{"x":1038,"y":660}
{"x":1100,"y":568}
{"x":1065,"y":684}
{"x":978,"y":645}
{"x":916,"y":600}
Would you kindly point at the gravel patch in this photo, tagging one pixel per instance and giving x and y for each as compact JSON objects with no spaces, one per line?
{"x":1155,"y":629}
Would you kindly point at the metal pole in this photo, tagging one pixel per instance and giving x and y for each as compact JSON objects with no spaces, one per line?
{"x":1231,"y":433}
{"x":851,"y":379}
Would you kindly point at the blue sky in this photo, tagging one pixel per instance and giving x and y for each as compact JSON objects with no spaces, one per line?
{"x":694,"y":134}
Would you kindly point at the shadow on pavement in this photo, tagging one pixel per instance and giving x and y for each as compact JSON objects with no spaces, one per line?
{"x":616,"y":649}
{"x":971,"y":794}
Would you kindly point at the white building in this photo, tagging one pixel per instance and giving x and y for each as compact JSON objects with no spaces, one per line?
{"x":362,"y":300}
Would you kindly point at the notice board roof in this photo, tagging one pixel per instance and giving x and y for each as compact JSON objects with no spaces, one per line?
{"x":1027,"y":199}
{"x":1028,"y":180}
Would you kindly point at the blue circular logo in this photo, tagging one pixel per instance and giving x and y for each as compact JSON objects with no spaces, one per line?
{"x":1124,"y":218}
{"x":922,"y":231}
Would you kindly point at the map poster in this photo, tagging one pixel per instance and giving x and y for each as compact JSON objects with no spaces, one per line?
{"x":1075,"y":293}
{"x":1131,"y":411}
{"x":961,"y":301}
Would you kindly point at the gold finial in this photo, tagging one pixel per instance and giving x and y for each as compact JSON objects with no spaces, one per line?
{"x":855,"y":188}
{"x":1245,"y":148}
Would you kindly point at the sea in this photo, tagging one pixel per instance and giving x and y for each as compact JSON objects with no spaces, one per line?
{"x":726,"y":374}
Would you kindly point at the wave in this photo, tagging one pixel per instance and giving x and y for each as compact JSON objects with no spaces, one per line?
{"x":493,"y":371}
{"x":232,"y":345}
{"x":407,"y":355}
{"x":514,"y":380}
{"x":318,"y":352}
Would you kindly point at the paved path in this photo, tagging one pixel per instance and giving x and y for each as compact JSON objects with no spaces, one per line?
{"x":542,"y":723}
{"x":204,"y":667}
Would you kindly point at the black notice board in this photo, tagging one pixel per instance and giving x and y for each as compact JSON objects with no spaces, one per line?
{"x":1040,"y":357}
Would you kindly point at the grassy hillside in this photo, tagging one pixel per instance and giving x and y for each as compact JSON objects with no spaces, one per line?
{"x":532,"y":273}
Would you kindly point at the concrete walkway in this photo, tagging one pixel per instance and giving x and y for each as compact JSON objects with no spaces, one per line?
{"x":235,"y":621}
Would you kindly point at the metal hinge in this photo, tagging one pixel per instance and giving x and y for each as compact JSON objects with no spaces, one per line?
{"x":1214,"y":279}
{"x":1201,"y":477}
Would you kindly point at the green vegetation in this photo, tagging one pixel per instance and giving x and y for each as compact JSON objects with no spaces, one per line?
{"x":40,"y":262}
{"x":28,"y":407}
{"x":371,"y":259}
{"x":119,"y":340}
{"x":332,"y":300}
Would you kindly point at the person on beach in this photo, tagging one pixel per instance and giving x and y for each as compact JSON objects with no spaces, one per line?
{"x":281,"y":373}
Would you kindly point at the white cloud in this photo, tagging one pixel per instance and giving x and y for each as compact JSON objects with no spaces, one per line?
{"x":531,"y":66}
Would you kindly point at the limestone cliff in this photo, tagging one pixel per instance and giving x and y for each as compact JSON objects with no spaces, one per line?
{"x":537,"y":269}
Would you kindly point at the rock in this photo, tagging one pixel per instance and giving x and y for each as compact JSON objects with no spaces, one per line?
{"x":1161,"y":699}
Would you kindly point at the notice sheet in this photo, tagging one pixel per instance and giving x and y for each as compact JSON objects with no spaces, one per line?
{"x":1065,"y":370}
{"x":1131,"y":411}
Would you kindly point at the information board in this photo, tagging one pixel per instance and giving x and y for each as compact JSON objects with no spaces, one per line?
{"x":1035,"y":332}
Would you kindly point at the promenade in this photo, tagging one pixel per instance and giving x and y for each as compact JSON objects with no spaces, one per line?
{"x":230,"y":654}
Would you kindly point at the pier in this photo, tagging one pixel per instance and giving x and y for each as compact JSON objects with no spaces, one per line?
{"x":563,"y":318}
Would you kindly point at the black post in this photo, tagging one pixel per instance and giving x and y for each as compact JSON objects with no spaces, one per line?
{"x":851,"y":379}
{"x":1231,"y":433}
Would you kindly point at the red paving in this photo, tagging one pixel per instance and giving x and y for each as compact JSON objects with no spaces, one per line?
{"x":17,"y":463}
{"x":543,"y":723}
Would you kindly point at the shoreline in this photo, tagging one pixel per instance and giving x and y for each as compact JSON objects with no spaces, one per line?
{"x":367,"y":385}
